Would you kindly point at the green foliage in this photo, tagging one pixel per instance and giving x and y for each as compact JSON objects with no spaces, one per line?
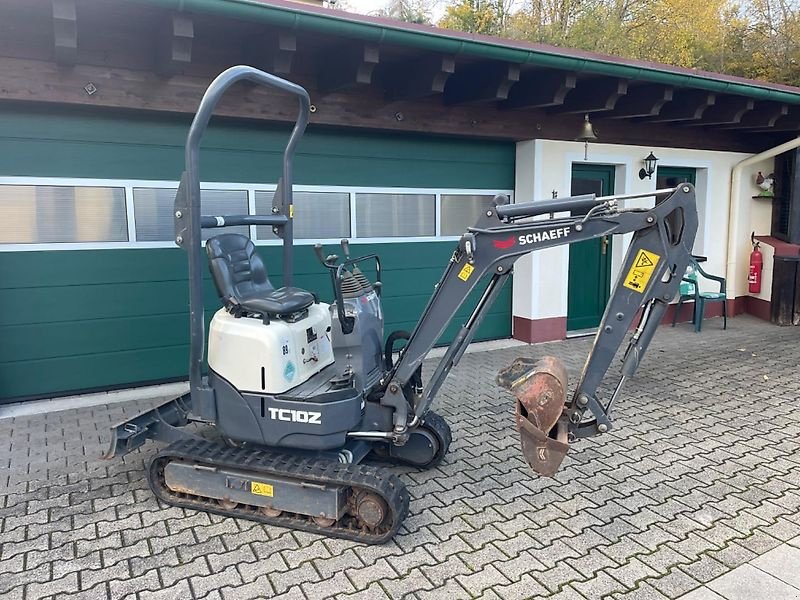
{"x":758,"y":39}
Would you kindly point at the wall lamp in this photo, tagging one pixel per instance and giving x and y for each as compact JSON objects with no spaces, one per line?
{"x":649,"y":166}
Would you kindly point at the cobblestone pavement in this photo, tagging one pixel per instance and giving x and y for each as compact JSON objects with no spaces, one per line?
{"x":699,"y":476}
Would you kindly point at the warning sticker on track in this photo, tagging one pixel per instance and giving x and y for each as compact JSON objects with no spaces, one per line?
{"x":261,"y":489}
{"x":643,"y":266}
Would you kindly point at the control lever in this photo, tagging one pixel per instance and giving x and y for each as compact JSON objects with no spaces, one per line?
{"x":346,"y":248}
{"x":319,"y":253}
{"x":327,"y":261}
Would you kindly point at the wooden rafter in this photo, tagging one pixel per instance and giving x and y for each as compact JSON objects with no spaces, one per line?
{"x":346,"y":68}
{"x":763,"y":116}
{"x":175,"y":44}
{"x":418,"y":78}
{"x":272,"y":51}
{"x":481,"y":83}
{"x":642,"y":101}
{"x":541,"y":89}
{"x":727,"y":110}
{"x":594,"y":95}
{"x":686,"y":105}
{"x":65,"y":31}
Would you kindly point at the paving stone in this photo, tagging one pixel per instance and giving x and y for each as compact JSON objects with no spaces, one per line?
{"x":450,"y":590}
{"x":202,"y":585}
{"x":258,"y":588}
{"x":747,"y":582}
{"x":305,"y":573}
{"x":673,"y":494}
{"x":599,"y":586}
{"x":362,"y":578}
{"x":66,"y":584}
{"x":481,"y":580}
{"x":704,"y":569}
{"x":179,"y":590}
{"x":631,"y":572}
{"x":415,"y":581}
{"x":674,"y":584}
{"x":782,"y":562}
{"x":644,"y":591}
{"x":702,"y":593}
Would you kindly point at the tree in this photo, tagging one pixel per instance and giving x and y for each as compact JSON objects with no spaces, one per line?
{"x":410,"y":11}
{"x":488,"y":17}
{"x":758,"y":38}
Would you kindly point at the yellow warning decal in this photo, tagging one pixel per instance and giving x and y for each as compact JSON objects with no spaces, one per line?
{"x":261,"y":489}
{"x":291,"y":211}
{"x":641,"y":271}
{"x":465,"y":272}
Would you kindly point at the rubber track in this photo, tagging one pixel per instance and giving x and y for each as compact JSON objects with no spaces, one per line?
{"x":374,"y":479}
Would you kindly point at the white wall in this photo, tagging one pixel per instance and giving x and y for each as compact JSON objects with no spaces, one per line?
{"x":544,"y":166}
{"x":750,"y":215}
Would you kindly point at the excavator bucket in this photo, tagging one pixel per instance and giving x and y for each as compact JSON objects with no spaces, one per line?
{"x":540,"y":388}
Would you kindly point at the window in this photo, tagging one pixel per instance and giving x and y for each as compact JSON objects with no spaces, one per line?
{"x":153,"y":208}
{"x":460,"y":212}
{"x":42,"y":214}
{"x":92,"y":213}
{"x":317,"y":215}
{"x":395,"y":215}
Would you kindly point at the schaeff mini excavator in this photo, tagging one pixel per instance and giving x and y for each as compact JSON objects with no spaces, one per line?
{"x":300,"y":393}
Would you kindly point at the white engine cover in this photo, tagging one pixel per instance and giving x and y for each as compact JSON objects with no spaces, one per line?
{"x":273,"y":358}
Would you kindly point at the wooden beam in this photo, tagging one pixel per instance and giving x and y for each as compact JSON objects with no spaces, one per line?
{"x":65,"y":31}
{"x":482,"y":83}
{"x":763,"y":116}
{"x":789,"y":122}
{"x":727,"y":110}
{"x":272,"y":51}
{"x":686,"y":105}
{"x":641,"y":101}
{"x":593,"y":95}
{"x":29,"y":82}
{"x":541,"y":89}
{"x":418,"y":78}
{"x":343,"y":68}
{"x":174,"y":47}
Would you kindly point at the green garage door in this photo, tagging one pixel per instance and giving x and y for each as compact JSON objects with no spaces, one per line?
{"x":116,"y":315}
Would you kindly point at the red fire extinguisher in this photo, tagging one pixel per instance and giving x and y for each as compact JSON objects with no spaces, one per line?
{"x":756,"y":263}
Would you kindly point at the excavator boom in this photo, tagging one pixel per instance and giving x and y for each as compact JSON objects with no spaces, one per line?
{"x":656,"y":259}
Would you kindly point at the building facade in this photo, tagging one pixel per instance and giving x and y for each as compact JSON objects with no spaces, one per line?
{"x":413,"y":132}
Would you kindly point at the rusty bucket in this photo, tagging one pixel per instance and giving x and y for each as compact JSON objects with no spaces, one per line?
{"x":540,"y":388}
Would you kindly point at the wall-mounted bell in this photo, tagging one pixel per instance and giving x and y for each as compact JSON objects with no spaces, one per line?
{"x":586,"y":135}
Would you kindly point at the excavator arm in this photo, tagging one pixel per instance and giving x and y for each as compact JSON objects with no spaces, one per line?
{"x":656,"y":259}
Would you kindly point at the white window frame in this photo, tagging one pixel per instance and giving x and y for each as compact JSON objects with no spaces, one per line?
{"x":251,"y":188}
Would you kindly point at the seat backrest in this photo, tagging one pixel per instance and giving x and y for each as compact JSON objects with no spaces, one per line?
{"x":236,"y":268}
{"x":687,"y":288}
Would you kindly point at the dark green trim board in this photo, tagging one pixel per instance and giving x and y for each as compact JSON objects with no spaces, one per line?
{"x":93,"y":319}
{"x":42,"y":142}
{"x":295,"y":16}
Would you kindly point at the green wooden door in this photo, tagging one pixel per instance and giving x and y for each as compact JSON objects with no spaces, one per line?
{"x":589,"y":261}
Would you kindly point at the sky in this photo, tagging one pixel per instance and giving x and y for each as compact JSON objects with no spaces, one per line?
{"x":369,"y":6}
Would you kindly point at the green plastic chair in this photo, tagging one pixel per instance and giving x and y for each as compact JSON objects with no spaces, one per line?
{"x":690,"y":290}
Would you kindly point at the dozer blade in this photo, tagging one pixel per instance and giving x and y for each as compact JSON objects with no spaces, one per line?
{"x":540,"y":389}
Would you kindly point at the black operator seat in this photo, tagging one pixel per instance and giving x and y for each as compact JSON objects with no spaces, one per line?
{"x":242,"y":283}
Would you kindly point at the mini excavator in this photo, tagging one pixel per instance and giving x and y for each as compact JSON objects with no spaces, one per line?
{"x":299,"y":394}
